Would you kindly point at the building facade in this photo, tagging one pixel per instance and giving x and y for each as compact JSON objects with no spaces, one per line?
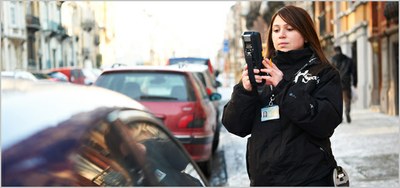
{"x":40,"y":35}
{"x":13,"y":36}
{"x":368,"y":33}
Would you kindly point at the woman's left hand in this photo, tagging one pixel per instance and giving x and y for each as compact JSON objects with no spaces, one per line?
{"x":274,"y":74}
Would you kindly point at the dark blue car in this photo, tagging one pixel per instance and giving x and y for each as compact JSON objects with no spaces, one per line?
{"x":57,"y":134}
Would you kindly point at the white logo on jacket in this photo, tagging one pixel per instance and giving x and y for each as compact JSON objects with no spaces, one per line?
{"x":306,"y":77}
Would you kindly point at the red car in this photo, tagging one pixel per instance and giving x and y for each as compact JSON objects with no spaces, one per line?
{"x":78,"y":75}
{"x":211,"y":85}
{"x":178,"y":98}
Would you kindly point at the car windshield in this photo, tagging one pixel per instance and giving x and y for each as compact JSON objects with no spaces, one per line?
{"x":148,"y":86}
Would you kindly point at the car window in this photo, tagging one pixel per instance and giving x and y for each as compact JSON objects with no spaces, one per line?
{"x":149,"y":86}
{"x":200,"y":86}
{"x":202,"y":78}
{"x":76,"y":74}
{"x":126,"y":150}
{"x":165,"y":157}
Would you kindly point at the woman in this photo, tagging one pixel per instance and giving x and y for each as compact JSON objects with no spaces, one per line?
{"x":289,"y":144}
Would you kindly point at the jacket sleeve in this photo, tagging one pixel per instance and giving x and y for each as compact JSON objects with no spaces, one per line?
{"x":318,"y":111}
{"x":238,"y":114}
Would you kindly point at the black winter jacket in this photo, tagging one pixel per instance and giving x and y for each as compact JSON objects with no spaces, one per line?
{"x":294,"y":149}
{"x":347,"y":70}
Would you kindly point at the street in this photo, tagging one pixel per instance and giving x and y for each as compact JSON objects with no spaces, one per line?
{"x":367,"y":149}
{"x":135,"y":48}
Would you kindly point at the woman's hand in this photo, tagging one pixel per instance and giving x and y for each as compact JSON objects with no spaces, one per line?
{"x":269,"y":80}
{"x":275,"y":75}
{"x":245,"y":79}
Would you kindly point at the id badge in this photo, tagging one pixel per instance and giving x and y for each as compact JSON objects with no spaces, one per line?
{"x":270,"y":113}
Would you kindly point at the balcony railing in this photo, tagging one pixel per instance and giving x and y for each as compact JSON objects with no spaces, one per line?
{"x":391,"y":11}
{"x":53,"y":26}
{"x":62,"y":33}
{"x":56,"y":30}
{"x":88,"y":25}
{"x":32,"y":23}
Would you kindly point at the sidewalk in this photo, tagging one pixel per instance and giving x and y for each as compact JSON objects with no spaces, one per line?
{"x":368,"y":148}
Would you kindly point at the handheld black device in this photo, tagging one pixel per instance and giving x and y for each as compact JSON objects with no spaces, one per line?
{"x":253,"y":54}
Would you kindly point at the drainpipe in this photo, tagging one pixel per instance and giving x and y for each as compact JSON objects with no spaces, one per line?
{"x":59,"y":4}
{"x":48,"y":43}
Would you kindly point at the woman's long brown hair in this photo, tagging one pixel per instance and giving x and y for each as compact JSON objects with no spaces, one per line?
{"x":300,"y":20}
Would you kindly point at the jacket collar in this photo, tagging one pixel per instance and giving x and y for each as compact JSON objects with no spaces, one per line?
{"x":292,"y":61}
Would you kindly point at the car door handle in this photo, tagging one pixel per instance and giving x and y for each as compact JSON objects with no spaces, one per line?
{"x":187,"y":109}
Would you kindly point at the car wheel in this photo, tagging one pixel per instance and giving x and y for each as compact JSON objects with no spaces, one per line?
{"x":206,"y":167}
{"x":216,"y":138}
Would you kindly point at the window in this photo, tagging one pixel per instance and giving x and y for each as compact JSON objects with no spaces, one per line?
{"x":13,"y":16}
{"x":200,"y":86}
{"x":154,"y":86}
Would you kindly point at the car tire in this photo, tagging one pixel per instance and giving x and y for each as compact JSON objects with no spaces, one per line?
{"x":216,"y":138}
{"x":206,"y":167}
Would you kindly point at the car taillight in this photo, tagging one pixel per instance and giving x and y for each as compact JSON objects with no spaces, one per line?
{"x":208,"y":91}
{"x":189,"y":121}
{"x":185,"y":120}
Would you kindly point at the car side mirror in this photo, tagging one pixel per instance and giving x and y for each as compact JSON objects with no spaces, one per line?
{"x":215,"y":97}
{"x":216,"y":73}
{"x":218,"y":83}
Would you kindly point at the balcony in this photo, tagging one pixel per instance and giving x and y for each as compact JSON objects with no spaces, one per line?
{"x":52,"y":28}
{"x":88,"y":25}
{"x":391,"y":11}
{"x":62,"y":34}
{"x":32,"y":23}
{"x":56,"y":30}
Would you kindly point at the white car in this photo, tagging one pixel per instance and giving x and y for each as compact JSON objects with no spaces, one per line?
{"x":19,"y":74}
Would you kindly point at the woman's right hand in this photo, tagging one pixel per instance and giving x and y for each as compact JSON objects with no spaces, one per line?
{"x":245,"y":79}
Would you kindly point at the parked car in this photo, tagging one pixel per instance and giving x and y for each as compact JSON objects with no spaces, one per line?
{"x":211,"y":85}
{"x":18,"y":74}
{"x":92,"y":137}
{"x":41,"y":75}
{"x":175,"y":96}
{"x":51,"y":76}
{"x":58,"y":76}
{"x":192,"y":60}
{"x":78,"y":75}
